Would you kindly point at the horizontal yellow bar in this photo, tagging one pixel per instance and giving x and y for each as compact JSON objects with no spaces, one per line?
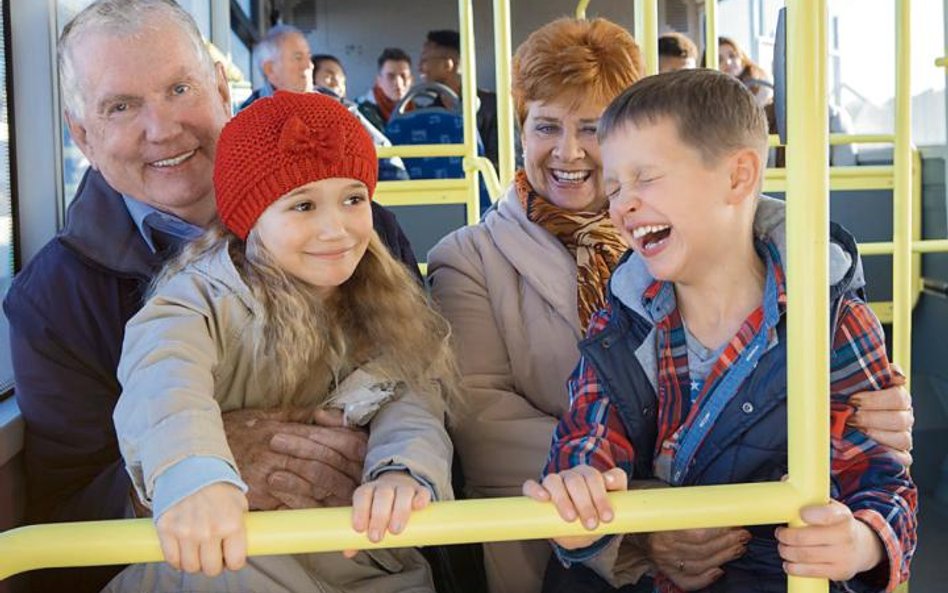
{"x":886,"y":247}
{"x":834,"y":139}
{"x":422,"y":192}
{"x":322,"y":530}
{"x":419,"y":150}
{"x":841,"y":178}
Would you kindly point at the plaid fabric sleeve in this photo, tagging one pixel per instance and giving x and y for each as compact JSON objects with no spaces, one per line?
{"x":865,"y":476}
{"x":591,"y":433}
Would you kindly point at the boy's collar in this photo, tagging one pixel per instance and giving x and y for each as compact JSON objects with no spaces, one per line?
{"x":658,"y":299}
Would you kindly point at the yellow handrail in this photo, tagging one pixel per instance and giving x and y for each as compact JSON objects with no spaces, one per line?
{"x":505,"y":113}
{"x":902,"y":227}
{"x":419,"y":150}
{"x":323,"y":530}
{"x":711,"y":33}
{"x":808,"y":354}
{"x":836,"y":139}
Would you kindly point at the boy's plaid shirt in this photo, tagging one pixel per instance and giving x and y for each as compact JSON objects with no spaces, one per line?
{"x":864,"y":475}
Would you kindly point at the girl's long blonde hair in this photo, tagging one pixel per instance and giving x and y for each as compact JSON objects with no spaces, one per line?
{"x":378,"y":319}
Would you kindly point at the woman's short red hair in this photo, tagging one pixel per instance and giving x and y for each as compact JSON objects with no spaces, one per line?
{"x":575,"y":61}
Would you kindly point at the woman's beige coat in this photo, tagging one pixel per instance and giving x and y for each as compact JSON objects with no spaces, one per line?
{"x":188,"y":356}
{"x":508,"y":288}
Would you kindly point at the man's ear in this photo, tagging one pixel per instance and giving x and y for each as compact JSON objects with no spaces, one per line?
{"x":80,"y":136}
{"x":267,"y":68}
{"x":223,"y":89}
{"x":746,"y":169}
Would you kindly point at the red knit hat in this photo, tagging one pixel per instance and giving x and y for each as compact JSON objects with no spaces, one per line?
{"x":280,"y":143}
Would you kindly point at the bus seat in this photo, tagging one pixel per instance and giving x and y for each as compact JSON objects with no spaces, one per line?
{"x":433,"y":123}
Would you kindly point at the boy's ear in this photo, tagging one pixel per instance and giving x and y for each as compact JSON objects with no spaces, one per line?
{"x":746,"y":170}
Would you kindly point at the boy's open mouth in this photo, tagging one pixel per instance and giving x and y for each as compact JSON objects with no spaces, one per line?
{"x":651,"y":236}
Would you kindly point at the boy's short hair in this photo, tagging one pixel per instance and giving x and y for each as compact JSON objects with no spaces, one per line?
{"x":714,"y":113}
{"x":393,"y":54}
{"x":677,"y":45}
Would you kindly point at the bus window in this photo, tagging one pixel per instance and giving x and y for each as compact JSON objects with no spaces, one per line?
{"x":6,"y":205}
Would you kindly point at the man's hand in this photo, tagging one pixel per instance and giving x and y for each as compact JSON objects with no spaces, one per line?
{"x":692,"y":558}
{"x":886,"y":417}
{"x":288,"y":463}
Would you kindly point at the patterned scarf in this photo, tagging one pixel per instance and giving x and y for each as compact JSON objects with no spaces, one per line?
{"x":589,"y":236}
{"x":386,"y":105}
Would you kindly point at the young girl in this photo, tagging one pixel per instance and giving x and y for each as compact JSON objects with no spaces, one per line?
{"x":291,"y":301}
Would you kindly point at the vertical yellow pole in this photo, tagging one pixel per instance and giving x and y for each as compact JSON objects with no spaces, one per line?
{"x":646,"y":32}
{"x":581,"y":9}
{"x":808,"y":261}
{"x":902,"y":194}
{"x":711,"y":33}
{"x":505,"y":117}
{"x":469,"y":104}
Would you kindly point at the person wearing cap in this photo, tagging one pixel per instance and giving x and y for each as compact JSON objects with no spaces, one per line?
{"x":279,"y":304}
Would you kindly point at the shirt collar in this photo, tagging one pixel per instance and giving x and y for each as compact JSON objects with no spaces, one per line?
{"x":148,"y":219}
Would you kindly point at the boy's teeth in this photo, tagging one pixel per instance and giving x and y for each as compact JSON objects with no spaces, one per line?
{"x":641,"y":231}
{"x":177,"y":160}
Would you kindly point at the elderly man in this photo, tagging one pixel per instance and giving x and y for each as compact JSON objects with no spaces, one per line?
{"x":283,"y":59}
{"x":148,"y":119}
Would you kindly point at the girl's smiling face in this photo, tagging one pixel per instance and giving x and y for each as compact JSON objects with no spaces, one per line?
{"x":319,"y":232}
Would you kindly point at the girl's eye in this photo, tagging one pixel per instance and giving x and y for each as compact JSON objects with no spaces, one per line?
{"x":303,"y":206}
{"x":589,"y":130}
{"x":354,"y":199}
{"x":547,"y":128}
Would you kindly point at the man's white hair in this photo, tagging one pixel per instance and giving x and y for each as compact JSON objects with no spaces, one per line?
{"x":123,"y":18}
{"x":268,"y":49}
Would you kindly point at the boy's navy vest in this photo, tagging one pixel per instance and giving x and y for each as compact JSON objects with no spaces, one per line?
{"x":748,"y":443}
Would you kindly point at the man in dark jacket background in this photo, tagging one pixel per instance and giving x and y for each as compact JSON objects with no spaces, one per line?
{"x":147,"y":118}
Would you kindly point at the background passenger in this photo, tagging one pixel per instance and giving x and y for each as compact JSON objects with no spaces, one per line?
{"x":441,"y":62}
{"x":676,"y":52}
{"x":283,"y":59}
{"x":291,"y":301}
{"x":328,"y":73}
{"x":734,"y":61}
{"x":392,"y":82}
{"x":148,"y":119}
{"x":520,"y":287}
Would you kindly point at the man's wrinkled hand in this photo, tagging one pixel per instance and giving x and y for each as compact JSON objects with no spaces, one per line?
{"x":287,"y":462}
